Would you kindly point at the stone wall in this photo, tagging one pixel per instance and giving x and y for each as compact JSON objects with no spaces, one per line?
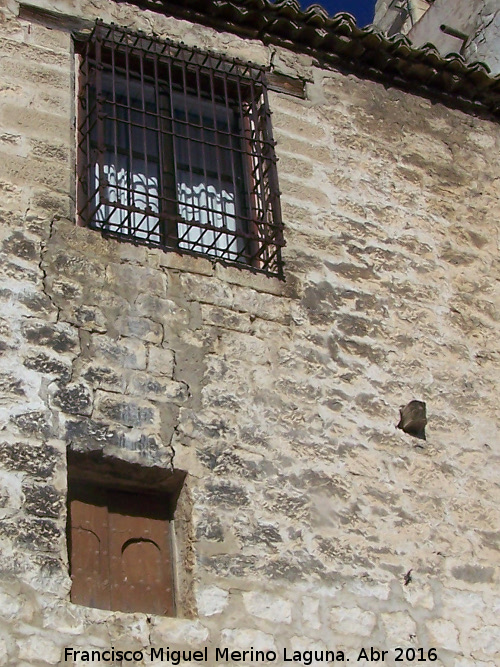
{"x":394,"y":17}
{"x":477,"y":23}
{"x":305,"y":508}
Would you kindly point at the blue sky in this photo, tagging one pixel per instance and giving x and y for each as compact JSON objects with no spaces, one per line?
{"x":361,"y":9}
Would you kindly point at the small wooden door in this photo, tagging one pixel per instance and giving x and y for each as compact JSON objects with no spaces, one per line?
{"x":120,"y":550}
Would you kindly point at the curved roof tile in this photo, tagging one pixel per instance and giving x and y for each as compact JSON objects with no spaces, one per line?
{"x":338,"y":39}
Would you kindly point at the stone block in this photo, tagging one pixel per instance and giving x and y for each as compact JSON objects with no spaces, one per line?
{"x":49,"y":365}
{"x":302,"y":149}
{"x":312,"y":652}
{"x":35,"y":123}
{"x":296,"y":189}
{"x":21,"y":246}
{"x":269,"y":607}
{"x":225,"y":318}
{"x":207,"y":290}
{"x":86,"y":317}
{"x":299,"y":167}
{"x":242,"y":639}
{"x":178,"y":631}
{"x":255,"y":281}
{"x":38,"y":535}
{"x":34,"y":423}
{"x":51,"y":40}
{"x":54,"y":100}
{"x":311,"y":612}
{"x":168,"y":312}
{"x":14,"y":272}
{"x":443,"y":634}
{"x":47,"y":150}
{"x":34,"y":647}
{"x":33,"y":171}
{"x":37,"y":460}
{"x":211,"y":600}
{"x":28,"y":72}
{"x":400,"y":629}
{"x":161,"y":361}
{"x":11,"y":386}
{"x":74,"y":399}
{"x":157,"y":389}
{"x":46,"y":202}
{"x":11,"y":604}
{"x":31,"y":53}
{"x":293,"y":121}
{"x":258,"y":304}
{"x":473,"y":574}
{"x":91,"y":434}
{"x":39,"y":304}
{"x":484,"y":641}
{"x":10,"y":494}
{"x":125,"y":353}
{"x":43,"y":501}
{"x":209,"y":527}
{"x":125,"y":410}
{"x":352,"y":621}
{"x":58,"y":337}
{"x":99,"y":376}
{"x":11,"y":139}
{"x":139,"y":327}
{"x":191,"y":264}
{"x":129,"y":281}
{"x":65,"y":263}
{"x":226,"y":494}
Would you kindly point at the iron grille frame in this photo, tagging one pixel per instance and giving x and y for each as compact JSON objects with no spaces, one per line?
{"x":232,"y":93}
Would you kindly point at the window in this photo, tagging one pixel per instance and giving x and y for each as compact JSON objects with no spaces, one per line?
{"x":175,"y":150}
{"x":120,"y":537}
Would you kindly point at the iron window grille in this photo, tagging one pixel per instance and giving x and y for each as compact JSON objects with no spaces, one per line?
{"x":175,"y":150}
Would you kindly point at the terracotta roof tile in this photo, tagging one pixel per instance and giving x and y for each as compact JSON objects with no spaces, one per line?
{"x":338,"y":40}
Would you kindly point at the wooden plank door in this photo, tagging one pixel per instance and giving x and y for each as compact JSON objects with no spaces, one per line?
{"x":89,"y":549}
{"x":141,"y":572}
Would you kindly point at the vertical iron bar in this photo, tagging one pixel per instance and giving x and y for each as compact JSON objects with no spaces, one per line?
{"x":188,"y":139}
{"x":172,"y":161}
{"x":147,"y":219}
{"x":258,"y":149}
{"x":85,"y":148}
{"x":99,"y":120}
{"x":161,"y":208}
{"x":274,"y":190}
{"x":203,"y":157}
{"x":115,"y":119}
{"x":130,"y":173}
{"x":218,"y":165}
{"x":239,"y":225}
{"x":252,"y":184}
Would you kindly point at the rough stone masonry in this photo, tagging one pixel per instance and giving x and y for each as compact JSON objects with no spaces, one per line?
{"x":308,"y":521}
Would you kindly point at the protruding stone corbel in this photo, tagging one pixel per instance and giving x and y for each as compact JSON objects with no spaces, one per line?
{"x":413,"y":419}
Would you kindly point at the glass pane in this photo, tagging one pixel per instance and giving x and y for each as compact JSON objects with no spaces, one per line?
{"x":128,"y":197}
{"x":208,"y":174}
